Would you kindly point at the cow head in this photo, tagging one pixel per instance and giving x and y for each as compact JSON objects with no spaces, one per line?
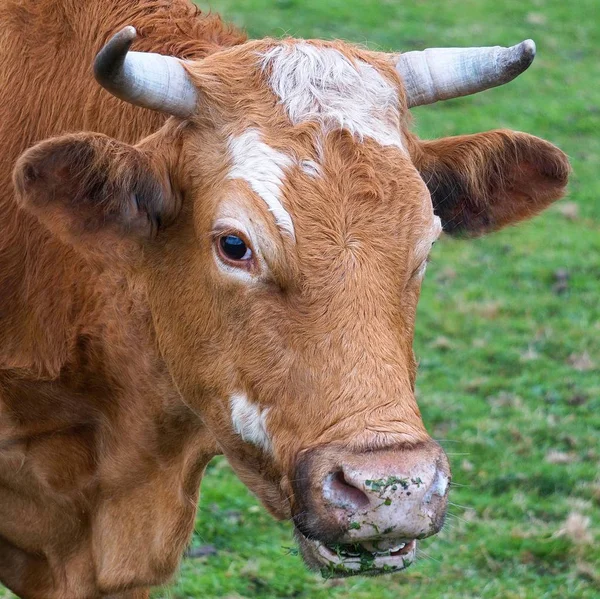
{"x":281,"y":223}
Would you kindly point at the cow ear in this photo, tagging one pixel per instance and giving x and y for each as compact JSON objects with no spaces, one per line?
{"x":93,"y":192}
{"x":483,"y":182}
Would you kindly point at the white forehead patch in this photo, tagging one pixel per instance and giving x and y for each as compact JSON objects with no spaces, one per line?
{"x":311,"y":168}
{"x":322,"y":85}
{"x":249,"y":421}
{"x":263,"y":168}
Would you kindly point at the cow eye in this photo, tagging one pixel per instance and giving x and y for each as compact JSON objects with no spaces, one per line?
{"x":234,"y":248}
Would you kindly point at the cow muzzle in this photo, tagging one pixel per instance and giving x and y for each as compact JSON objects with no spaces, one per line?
{"x":362,"y":513}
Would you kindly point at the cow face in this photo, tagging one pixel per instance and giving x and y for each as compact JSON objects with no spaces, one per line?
{"x":282,"y":233}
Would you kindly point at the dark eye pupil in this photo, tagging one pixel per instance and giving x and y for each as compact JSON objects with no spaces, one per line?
{"x":233,"y":247}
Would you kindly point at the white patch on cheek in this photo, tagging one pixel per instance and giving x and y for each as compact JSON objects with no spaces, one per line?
{"x":263,"y":168}
{"x":325,"y":86}
{"x":250,"y":421}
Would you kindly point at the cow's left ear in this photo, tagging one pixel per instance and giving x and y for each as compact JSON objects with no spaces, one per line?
{"x":483,"y":182}
{"x":93,"y":192}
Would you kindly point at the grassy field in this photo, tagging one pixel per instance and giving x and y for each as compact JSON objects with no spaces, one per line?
{"x":508,"y":335}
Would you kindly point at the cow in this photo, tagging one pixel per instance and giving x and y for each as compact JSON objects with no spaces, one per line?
{"x":219,"y":249}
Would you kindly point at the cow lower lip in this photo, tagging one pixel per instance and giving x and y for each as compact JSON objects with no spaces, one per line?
{"x":350,"y":560}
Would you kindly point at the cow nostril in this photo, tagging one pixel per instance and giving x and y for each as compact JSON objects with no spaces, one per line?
{"x":341,"y":493}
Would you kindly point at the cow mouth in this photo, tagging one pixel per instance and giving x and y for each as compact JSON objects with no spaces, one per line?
{"x":367,"y":558}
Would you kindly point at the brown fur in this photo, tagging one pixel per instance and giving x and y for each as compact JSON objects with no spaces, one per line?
{"x":92,"y":432}
{"x":48,"y":89}
{"x":483,"y":182}
{"x":120,"y":340}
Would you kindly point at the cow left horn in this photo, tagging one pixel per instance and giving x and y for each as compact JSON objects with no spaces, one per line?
{"x":143,"y":78}
{"x":443,"y":73}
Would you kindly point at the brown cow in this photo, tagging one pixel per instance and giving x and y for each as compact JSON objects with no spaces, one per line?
{"x":242,"y":281}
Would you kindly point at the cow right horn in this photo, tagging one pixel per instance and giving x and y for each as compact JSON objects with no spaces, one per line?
{"x":443,"y":73}
{"x":143,"y":78}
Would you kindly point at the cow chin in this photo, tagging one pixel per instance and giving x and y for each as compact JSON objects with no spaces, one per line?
{"x":366,"y":559}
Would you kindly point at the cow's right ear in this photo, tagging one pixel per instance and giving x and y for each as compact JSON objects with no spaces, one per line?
{"x":93,"y":192}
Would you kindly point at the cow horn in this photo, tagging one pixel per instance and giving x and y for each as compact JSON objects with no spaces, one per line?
{"x":144,"y":78}
{"x":443,"y":73}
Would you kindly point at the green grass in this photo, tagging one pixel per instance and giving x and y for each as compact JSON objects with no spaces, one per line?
{"x":509,"y":351}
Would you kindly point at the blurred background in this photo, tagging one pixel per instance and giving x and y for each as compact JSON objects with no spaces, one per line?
{"x":508,"y":334}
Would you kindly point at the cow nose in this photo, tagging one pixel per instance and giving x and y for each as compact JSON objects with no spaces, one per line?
{"x":393,"y":494}
{"x":341,"y":491}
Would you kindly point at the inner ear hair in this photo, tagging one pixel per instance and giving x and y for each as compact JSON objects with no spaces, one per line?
{"x":480,"y":183}
{"x":87,"y":188}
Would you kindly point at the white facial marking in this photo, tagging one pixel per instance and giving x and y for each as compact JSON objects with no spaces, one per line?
{"x":249,"y":421}
{"x":263,"y":168}
{"x":311,"y":168}
{"x":323,"y":85}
